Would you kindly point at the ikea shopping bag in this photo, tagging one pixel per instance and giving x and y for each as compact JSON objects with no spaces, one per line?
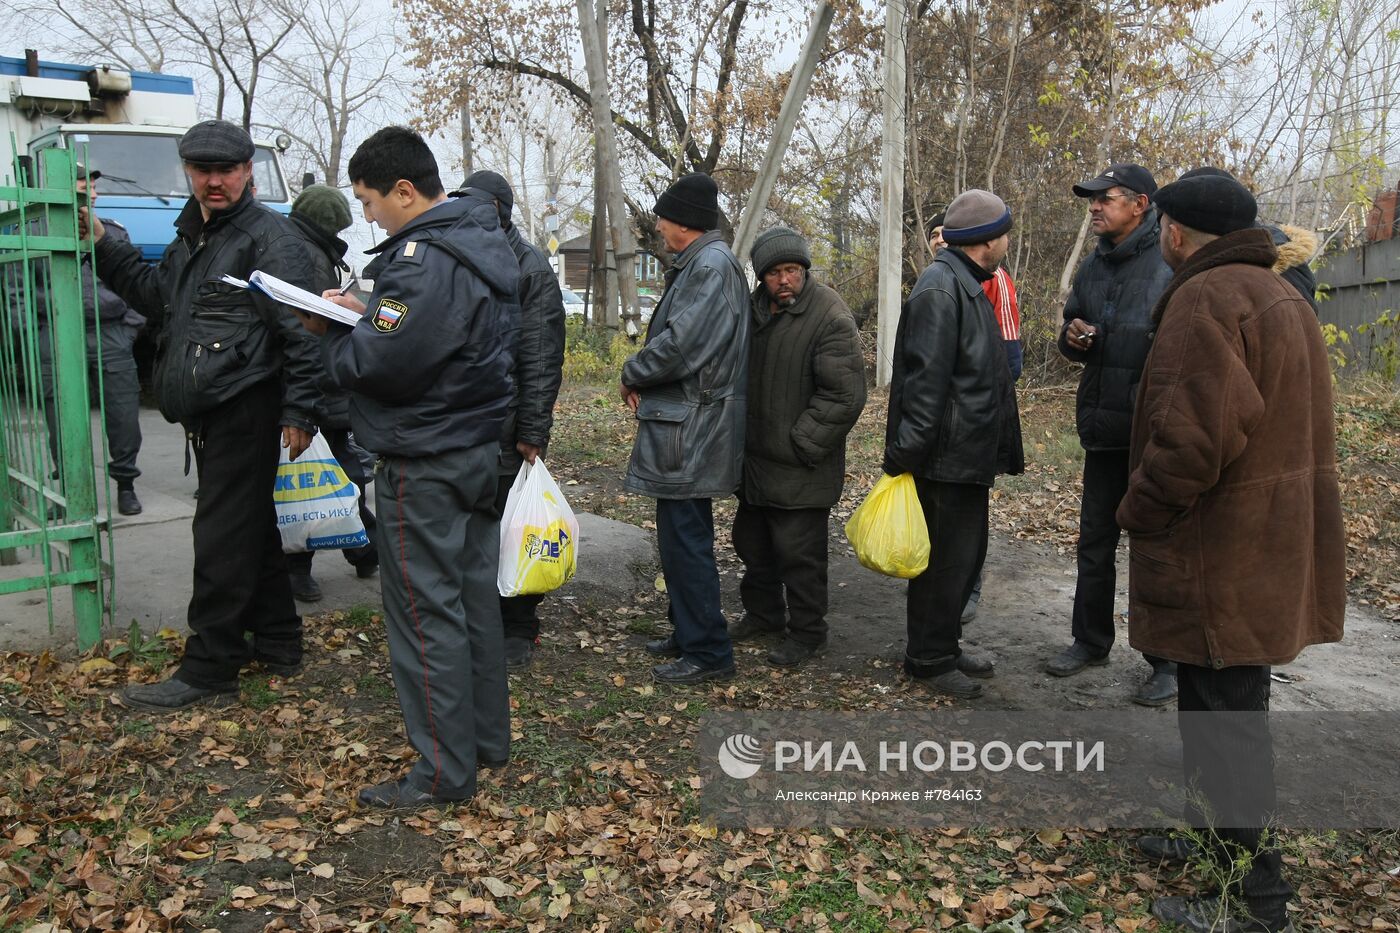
{"x":539,"y":535}
{"x":888,"y":529}
{"x":318,"y":508}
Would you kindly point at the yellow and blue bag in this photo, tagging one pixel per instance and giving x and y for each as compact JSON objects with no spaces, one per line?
{"x":888,"y":530}
{"x":318,"y":508}
{"x":539,"y":535}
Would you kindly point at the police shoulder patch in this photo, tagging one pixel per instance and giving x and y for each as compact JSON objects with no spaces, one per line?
{"x":389,"y":314}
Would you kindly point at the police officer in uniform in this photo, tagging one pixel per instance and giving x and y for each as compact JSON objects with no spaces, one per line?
{"x":428,"y":371}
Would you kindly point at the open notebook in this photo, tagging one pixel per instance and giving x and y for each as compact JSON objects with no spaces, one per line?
{"x":289,"y":294}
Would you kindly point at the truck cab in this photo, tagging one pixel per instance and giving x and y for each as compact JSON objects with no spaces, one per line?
{"x":126,"y":125}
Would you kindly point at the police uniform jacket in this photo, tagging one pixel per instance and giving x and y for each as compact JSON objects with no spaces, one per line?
{"x":428,"y":365}
{"x":692,"y":375}
{"x":219,"y":339}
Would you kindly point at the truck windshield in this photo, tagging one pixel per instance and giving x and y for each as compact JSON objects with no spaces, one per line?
{"x":141,"y":165}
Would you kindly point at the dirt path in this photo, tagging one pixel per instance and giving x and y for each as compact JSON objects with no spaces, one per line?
{"x":1024,"y":618}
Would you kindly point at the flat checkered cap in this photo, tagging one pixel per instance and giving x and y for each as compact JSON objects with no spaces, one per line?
{"x":215,"y":142}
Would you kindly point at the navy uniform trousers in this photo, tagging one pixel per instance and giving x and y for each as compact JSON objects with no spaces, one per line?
{"x":439,"y":546}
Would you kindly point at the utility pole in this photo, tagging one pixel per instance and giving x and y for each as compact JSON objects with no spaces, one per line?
{"x":782,"y":132}
{"x":468,"y":156}
{"x":551,"y":210}
{"x":623,"y":245}
{"x":891,"y":193}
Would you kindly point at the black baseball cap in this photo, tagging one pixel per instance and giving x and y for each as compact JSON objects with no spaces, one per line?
{"x":81,"y":171}
{"x":1119,"y":174}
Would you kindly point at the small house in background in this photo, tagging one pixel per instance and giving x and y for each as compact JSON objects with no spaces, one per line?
{"x":1383,"y":221}
{"x":576,"y":266}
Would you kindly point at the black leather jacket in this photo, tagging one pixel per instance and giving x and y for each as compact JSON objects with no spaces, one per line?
{"x":952,"y":415}
{"x":218,"y":339}
{"x":539,"y":353}
{"x":1115,"y":289}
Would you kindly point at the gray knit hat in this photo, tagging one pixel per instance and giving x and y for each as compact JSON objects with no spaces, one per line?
{"x":975,"y":216}
{"x":216,"y":142}
{"x":779,"y":244}
{"x":324,"y":207}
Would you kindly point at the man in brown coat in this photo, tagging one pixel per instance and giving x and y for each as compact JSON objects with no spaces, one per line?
{"x":1234,"y":512}
{"x":806,"y":390}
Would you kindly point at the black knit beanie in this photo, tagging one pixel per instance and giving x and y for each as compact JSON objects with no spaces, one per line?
{"x":692,"y":201}
{"x":779,"y":244}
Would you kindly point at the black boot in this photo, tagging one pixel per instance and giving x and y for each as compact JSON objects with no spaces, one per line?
{"x":127,"y":503}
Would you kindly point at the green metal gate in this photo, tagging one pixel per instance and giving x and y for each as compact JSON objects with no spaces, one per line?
{"x":49,"y":520}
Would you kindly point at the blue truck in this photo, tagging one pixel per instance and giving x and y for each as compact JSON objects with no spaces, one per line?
{"x":125,"y":124}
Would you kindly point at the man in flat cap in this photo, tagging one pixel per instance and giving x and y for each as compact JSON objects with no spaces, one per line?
{"x":1234,"y":514}
{"x":1107,"y":327}
{"x":954,"y":425}
{"x":806,"y":390}
{"x":538,"y":373}
{"x":234,"y":369}
{"x":687,"y":387}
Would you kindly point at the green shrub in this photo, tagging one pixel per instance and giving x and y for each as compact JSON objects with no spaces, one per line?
{"x":594,"y":355}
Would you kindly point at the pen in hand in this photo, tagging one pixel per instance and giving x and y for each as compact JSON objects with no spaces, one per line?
{"x":347,"y":286}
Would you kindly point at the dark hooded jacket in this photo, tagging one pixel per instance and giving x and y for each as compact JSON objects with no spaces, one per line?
{"x":539,"y":353}
{"x":1115,"y":289}
{"x":428,"y":365}
{"x":953,"y":415}
{"x":218,"y":339}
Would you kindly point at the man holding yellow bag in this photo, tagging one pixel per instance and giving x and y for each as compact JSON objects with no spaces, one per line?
{"x":953,"y":424}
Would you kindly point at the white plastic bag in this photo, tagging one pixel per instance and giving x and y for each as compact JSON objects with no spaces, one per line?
{"x":539,"y":535}
{"x":318,"y":508}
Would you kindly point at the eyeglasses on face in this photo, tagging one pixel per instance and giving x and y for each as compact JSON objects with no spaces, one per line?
{"x":1102,"y":198}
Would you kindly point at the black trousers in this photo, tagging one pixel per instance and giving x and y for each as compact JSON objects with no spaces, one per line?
{"x":1105,"y":484}
{"x":956,"y":514}
{"x":1227,"y":760}
{"x":121,"y":393}
{"x":784,"y":550}
{"x":685,"y":536}
{"x":338,"y":439}
{"x":519,"y":617}
{"x":240,"y":572}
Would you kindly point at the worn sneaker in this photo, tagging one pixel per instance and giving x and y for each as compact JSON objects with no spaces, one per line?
{"x":174,"y":694}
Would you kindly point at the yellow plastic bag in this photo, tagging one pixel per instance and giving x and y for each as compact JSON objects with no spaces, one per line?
{"x":888,"y":529}
{"x":539,"y":535}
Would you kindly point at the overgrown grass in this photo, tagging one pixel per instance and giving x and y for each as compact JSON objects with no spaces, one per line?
{"x":594,"y":355}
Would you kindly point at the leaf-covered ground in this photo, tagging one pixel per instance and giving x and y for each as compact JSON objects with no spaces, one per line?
{"x":243,"y":817}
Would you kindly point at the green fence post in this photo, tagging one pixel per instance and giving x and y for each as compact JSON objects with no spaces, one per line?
{"x":66,"y":319}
